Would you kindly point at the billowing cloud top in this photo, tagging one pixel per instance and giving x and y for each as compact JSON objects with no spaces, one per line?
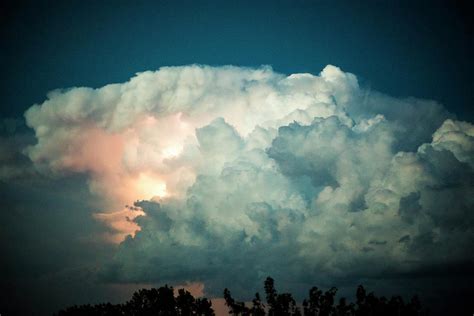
{"x":249,"y":172}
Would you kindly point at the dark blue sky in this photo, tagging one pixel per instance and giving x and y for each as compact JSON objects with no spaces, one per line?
{"x":403,"y":49}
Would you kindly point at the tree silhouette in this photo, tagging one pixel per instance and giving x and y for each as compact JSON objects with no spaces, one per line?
{"x":258,"y":308}
{"x":344,"y":309}
{"x":321,"y":303}
{"x":279,"y":304}
{"x":235,"y":307}
{"x":148,"y":302}
{"x":152,"y":302}
{"x":163,"y":302}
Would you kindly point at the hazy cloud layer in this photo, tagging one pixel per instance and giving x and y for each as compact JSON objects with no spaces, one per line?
{"x":249,"y":172}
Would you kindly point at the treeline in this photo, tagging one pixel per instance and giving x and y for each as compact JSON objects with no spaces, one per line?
{"x":152,"y":302}
{"x":321,"y":303}
{"x":163,"y":302}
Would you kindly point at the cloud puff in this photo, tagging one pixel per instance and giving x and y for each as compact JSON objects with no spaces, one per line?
{"x":249,"y":172}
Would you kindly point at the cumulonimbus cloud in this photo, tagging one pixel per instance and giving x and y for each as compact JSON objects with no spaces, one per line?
{"x":251,"y":172}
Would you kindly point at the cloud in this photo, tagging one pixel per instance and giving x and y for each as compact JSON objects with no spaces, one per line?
{"x":249,"y":172}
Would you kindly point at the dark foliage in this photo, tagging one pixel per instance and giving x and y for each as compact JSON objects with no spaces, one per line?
{"x":321,"y":303}
{"x":156,"y":302}
{"x":163,"y":302}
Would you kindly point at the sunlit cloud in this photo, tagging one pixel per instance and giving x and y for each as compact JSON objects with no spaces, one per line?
{"x":237,"y":167}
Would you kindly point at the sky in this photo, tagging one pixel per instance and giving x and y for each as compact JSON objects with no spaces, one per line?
{"x":179,"y":142}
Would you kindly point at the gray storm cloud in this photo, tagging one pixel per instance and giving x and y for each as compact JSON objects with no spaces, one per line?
{"x":247,"y":172}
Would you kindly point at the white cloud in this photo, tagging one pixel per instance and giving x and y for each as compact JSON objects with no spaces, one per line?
{"x":301,"y":175}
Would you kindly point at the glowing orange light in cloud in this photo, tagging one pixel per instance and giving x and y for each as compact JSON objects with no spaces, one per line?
{"x":139,"y":170}
{"x":138,"y":162}
{"x":149,"y":187}
{"x":172,"y":151}
{"x":120,"y":222}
